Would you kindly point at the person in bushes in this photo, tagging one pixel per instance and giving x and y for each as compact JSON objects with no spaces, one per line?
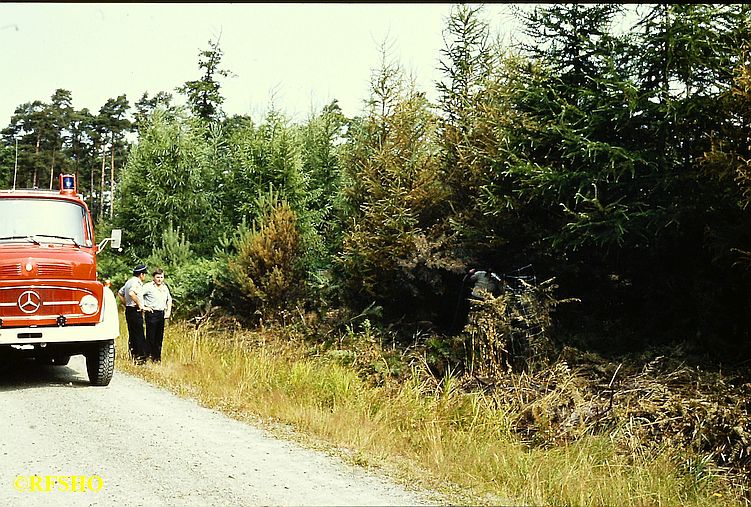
{"x":476,"y":286}
{"x":483,"y":283}
{"x":158,"y":306}
{"x":131,"y":294}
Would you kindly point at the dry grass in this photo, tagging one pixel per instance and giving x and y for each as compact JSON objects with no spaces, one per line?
{"x":432,"y":433}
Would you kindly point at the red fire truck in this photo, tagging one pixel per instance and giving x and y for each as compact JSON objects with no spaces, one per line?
{"x":52,"y":306}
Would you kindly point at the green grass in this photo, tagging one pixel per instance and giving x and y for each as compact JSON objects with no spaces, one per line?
{"x":421,"y":431}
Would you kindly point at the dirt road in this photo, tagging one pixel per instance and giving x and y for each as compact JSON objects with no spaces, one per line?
{"x":132,"y":444}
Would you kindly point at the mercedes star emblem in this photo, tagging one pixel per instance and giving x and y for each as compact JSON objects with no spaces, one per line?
{"x":29,"y":301}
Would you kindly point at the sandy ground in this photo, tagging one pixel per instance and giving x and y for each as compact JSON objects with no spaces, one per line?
{"x":143,"y":446}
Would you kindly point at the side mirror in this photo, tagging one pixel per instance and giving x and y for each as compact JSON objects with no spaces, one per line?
{"x":116,"y":238}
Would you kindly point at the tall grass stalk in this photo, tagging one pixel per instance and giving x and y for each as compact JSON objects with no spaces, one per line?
{"x":429,"y":433}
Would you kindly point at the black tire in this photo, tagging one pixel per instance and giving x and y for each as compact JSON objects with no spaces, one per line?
{"x":100,"y":363}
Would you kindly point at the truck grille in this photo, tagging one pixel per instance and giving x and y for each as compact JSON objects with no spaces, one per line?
{"x":49,"y":269}
{"x":40,"y":301}
{"x":10,"y":269}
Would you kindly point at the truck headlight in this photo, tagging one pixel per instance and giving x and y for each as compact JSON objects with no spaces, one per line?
{"x":89,"y":304}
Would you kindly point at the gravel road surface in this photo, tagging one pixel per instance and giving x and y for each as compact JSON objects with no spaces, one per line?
{"x":143,"y":446}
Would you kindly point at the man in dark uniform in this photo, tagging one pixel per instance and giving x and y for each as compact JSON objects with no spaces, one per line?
{"x":132,"y":295}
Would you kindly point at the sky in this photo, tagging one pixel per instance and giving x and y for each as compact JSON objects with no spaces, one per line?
{"x":298,"y":56}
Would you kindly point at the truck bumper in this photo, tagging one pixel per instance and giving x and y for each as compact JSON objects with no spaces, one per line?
{"x":107,"y":329}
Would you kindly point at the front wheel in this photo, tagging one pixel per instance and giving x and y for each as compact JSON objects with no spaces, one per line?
{"x":100,"y":363}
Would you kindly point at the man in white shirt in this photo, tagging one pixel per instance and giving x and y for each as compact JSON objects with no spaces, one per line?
{"x":131,"y":295}
{"x":158,"y":306}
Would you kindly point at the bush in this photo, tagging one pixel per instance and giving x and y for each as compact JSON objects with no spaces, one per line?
{"x":265,"y":276}
{"x":174,"y":252}
{"x":192,"y":287}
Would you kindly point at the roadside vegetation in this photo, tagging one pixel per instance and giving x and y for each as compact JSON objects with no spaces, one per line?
{"x":318,"y":268}
{"x":548,"y":438}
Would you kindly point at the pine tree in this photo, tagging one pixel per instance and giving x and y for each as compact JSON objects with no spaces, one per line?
{"x":114,"y":123}
{"x":393,"y":246}
{"x":167,"y":180}
{"x":204,"y":94}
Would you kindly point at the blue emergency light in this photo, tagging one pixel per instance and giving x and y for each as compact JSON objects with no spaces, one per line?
{"x":68,"y":183}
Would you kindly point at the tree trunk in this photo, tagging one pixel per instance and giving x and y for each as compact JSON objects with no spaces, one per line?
{"x":112,"y":177}
{"x":92,"y":188}
{"x":36,"y":153}
{"x":101,"y":186}
{"x":52,"y":168}
{"x":77,"y":155}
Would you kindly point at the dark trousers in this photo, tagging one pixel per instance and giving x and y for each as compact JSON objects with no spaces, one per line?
{"x":155,"y":333}
{"x":139,"y":349}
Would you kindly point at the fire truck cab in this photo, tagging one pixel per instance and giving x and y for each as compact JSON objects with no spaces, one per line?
{"x":52,"y":306}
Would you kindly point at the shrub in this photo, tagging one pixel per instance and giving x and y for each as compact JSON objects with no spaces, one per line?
{"x":192,"y":287}
{"x":265,"y":276}
{"x":174,"y":252}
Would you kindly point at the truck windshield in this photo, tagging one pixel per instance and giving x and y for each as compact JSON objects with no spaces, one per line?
{"x":42,"y":221}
